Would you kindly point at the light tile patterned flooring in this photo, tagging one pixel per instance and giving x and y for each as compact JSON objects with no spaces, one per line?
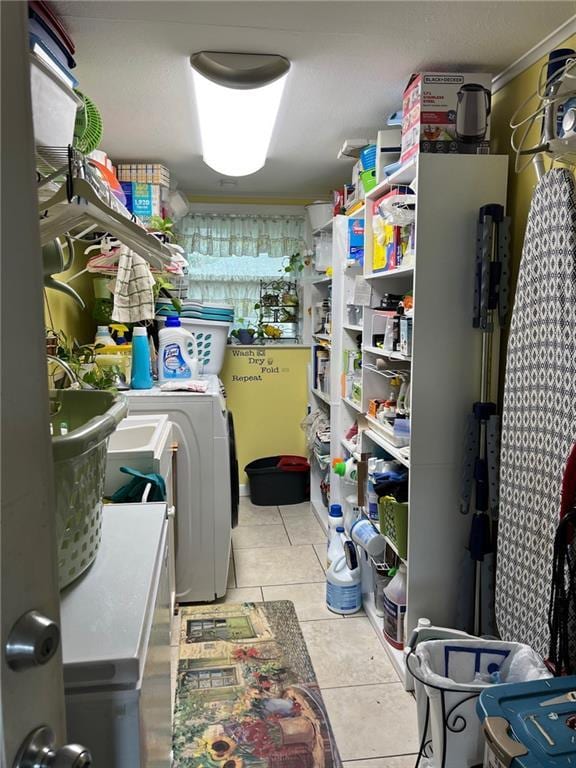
{"x":278,"y":553}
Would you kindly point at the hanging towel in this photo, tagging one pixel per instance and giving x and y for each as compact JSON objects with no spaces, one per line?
{"x":539,"y":411}
{"x":133,"y":294}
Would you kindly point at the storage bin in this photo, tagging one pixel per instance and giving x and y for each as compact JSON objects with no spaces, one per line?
{"x":278,"y":480}
{"x":452,"y":674}
{"x":368,"y":158}
{"x":54,"y":106}
{"x":368,"y":179}
{"x":319,"y":213}
{"x":394,"y":523}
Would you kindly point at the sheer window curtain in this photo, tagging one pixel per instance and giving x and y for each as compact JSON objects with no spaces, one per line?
{"x":229,"y":254}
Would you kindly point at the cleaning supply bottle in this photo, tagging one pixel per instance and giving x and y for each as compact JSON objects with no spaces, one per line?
{"x":395,"y":609}
{"x":141,"y":375}
{"x":175,"y":363}
{"x":335,"y":545}
{"x":103,"y":337}
{"x":344,"y":582}
{"x":367,"y":536}
{"x":335,"y":517}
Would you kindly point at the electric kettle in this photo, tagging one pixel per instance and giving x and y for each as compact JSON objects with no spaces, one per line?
{"x":54,"y":262}
{"x":474,"y":103}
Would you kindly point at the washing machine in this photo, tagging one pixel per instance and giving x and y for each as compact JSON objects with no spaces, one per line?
{"x":205,"y":482}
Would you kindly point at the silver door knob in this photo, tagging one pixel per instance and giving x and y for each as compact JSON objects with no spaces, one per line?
{"x":32,"y":641}
{"x":38,"y":751}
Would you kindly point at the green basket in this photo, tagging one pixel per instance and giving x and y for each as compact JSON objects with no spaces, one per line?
{"x":394,"y":523}
{"x":368,"y":179}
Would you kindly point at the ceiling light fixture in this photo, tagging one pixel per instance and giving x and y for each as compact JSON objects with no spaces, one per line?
{"x":238,"y":96}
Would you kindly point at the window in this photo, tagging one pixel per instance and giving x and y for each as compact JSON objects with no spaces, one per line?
{"x":229,"y":254}
{"x":202,"y":679}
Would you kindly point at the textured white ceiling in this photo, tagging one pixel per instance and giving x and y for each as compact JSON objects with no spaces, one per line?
{"x":350,"y":62}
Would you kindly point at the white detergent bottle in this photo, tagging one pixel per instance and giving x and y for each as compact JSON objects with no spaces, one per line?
{"x":335,"y":545}
{"x":344,"y":583}
{"x":175,"y":363}
{"x":395,"y":609}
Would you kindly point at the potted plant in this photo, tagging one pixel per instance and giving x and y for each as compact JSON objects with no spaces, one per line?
{"x":246,"y":333}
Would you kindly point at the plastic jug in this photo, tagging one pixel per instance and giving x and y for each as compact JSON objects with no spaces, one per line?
{"x":395,"y":609}
{"x":175,"y":363}
{"x":141,"y":375}
{"x":344,"y":583}
{"x":335,"y":545}
{"x":367,"y":536}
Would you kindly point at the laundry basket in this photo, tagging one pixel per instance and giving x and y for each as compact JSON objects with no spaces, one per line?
{"x":211,"y":337}
{"x":79,"y":455}
{"x":451,"y":674}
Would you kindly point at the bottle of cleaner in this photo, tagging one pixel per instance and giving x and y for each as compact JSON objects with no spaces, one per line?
{"x":395,"y":609}
{"x":367,"y":536}
{"x":103,"y":337}
{"x":335,"y":517}
{"x":141,"y":374}
{"x":175,"y":363}
{"x":344,"y":583}
{"x":335,"y":545}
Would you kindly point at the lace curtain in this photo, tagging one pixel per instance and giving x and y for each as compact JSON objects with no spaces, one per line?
{"x":228,"y":255}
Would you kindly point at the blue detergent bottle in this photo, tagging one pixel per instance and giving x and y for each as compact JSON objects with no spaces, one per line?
{"x":141,"y":376}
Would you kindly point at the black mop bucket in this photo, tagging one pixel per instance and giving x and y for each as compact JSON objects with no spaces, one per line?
{"x":279,"y":480}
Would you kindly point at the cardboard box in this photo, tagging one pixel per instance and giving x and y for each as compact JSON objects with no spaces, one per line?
{"x":446,"y":112}
{"x":144,"y":173}
{"x":356,"y":240}
{"x":143,"y":200}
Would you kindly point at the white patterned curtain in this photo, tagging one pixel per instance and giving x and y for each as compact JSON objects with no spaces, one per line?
{"x":229,"y":254}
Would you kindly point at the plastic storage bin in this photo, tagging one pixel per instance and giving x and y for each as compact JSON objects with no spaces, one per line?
{"x":528,"y":725}
{"x":279,"y":480}
{"x":319,"y":213}
{"x":54,"y":106}
{"x":452,"y":674}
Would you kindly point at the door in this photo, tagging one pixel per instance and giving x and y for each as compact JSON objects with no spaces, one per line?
{"x":31,"y":696}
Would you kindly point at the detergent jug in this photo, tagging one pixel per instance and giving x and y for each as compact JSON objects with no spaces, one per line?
{"x":175,"y":361}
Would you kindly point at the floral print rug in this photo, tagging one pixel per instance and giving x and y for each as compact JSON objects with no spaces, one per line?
{"x":246,"y":695}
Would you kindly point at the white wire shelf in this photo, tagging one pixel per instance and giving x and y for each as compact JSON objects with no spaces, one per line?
{"x":354,"y":452}
{"x":322,"y":280}
{"x":404,"y":175}
{"x":350,"y":327}
{"x":326,"y":227}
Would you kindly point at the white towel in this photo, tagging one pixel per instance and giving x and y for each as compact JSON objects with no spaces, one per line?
{"x":133,"y":294}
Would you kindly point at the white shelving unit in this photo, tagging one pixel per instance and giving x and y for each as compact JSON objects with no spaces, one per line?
{"x":444,"y":368}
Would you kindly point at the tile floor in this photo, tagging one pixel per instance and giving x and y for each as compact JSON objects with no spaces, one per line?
{"x":278,"y":554}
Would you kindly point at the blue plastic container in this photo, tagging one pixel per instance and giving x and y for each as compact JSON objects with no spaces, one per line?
{"x":368,"y":158}
{"x":141,"y":375}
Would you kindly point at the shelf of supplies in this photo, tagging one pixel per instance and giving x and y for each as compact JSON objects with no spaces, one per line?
{"x":350,"y":327}
{"x":404,"y":175}
{"x":322,"y":280}
{"x":396,"y":657}
{"x":389,"y":355}
{"x":350,"y":448}
{"x":352,"y":404}
{"x":398,"y":272}
{"x":326,"y":227}
{"x":321,"y":395}
{"x":402,"y":454}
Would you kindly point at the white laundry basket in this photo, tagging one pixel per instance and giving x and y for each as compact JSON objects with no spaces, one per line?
{"x":211,"y":338}
{"x":450,"y":674}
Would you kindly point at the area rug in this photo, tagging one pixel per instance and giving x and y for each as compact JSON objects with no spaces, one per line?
{"x":246,"y":694}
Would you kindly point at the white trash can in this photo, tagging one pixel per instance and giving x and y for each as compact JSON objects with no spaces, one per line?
{"x":450,"y":674}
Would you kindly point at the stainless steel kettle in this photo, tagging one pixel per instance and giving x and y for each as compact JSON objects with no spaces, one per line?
{"x":54,"y":262}
{"x":474,"y":104}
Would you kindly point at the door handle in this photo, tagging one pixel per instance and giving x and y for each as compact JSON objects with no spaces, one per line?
{"x":33,"y":640}
{"x":38,"y":751}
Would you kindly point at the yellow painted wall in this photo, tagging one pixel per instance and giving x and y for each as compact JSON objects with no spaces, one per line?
{"x":266,"y":390}
{"x":64,"y":314}
{"x":520,"y":186}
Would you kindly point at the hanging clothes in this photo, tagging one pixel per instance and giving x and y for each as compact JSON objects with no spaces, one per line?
{"x":539,"y":411}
